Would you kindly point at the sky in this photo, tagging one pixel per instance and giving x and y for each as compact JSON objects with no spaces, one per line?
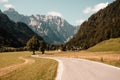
{"x":74,"y":11}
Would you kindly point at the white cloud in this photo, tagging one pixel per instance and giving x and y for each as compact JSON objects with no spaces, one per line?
{"x":53,"y":13}
{"x":87,"y":10}
{"x":4,"y":1}
{"x":100,"y":6}
{"x":95,"y":8}
{"x":8,"y":6}
{"x":79,"y":22}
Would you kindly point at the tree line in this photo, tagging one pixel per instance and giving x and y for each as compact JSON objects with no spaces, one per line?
{"x":34,"y":44}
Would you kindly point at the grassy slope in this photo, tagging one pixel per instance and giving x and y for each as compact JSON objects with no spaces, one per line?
{"x":10,"y":58}
{"x":107,"y":45}
{"x":42,"y":69}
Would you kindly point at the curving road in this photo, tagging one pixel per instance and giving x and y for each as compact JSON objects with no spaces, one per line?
{"x":80,"y":69}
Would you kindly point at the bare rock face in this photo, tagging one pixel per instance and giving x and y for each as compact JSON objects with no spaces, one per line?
{"x":53,"y":29}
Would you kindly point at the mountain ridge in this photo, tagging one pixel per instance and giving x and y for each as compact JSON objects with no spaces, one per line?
{"x":53,"y":29}
{"x":14,"y":34}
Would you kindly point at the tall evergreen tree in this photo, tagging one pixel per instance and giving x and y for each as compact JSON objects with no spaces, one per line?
{"x":33,"y":44}
{"x":42,"y":46}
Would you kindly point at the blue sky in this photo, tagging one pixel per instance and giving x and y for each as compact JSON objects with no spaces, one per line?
{"x":74,"y":11}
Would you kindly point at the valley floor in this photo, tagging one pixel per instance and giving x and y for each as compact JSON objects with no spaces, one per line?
{"x":74,"y":66}
{"x":20,"y":65}
{"x":112,"y":58}
{"x":8,"y":69}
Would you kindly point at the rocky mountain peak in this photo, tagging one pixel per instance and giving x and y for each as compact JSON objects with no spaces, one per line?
{"x":52,"y":28}
{"x":11,"y":10}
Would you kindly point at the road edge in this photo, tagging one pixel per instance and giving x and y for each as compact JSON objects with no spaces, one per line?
{"x":59,"y":69}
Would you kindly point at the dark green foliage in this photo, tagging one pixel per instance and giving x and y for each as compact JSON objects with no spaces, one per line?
{"x":10,"y":49}
{"x":43,"y":46}
{"x":33,"y":44}
{"x":6,"y":32}
{"x":0,"y":11}
{"x":14,"y":34}
{"x":103,"y":25}
{"x":63,"y":47}
{"x":53,"y":47}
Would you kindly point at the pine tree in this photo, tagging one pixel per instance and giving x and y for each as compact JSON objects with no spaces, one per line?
{"x":42,"y":46}
{"x":33,"y":44}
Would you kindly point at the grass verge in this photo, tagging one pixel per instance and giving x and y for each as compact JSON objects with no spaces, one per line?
{"x":106,"y":61}
{"x":41,"y":69}
{"x":111,"y":58}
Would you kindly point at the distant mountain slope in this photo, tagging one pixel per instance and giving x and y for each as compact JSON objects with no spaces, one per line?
{"x":53,"y":29}
{"x":103,"y":25}
{"x":14,"y":34}
{"x":107,"y":45}
{"x":0,"y":11}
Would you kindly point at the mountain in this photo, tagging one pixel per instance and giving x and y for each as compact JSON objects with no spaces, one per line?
{"x":103,"y":25}
{"x":14,"y":15}
{"x":53,"y":29}
{"x":0,"y":11}
{"x":14,"y":34}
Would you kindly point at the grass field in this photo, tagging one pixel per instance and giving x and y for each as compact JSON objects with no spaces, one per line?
{"x":112,"y":58}
{"x":41,"y":69}
{"x":107,"y":52}
{"x":10,"y":58}
{"x":107,"y":45}
{"x":111,"y":45}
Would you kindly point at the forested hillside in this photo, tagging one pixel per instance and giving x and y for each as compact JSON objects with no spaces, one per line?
{"x":14,"y":34}
{"x":103,"y":25}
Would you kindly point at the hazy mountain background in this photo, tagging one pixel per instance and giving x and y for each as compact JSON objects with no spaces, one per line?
{"x":14,"y":34}
{"x":53,"y":29}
